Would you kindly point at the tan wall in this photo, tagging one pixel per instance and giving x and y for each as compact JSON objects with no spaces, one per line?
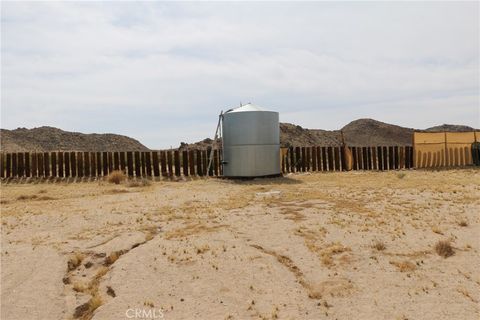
{"x":429,"y":148}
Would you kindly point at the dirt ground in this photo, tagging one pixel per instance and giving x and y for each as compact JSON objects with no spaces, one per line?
{"x":356,"y":245}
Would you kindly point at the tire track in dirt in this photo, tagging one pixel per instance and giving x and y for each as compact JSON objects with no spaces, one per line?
{"x":88,"y":284}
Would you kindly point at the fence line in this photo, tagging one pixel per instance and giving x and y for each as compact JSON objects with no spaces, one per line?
{"x":175,"y":163}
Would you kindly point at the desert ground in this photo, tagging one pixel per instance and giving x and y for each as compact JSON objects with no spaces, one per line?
{"x":351,"y":245}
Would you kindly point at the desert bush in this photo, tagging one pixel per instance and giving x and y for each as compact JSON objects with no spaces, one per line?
{"x":444,"y":249}
{"x":401,"y":175}
{"x":379,"y":245}
{"x":116,"y":177}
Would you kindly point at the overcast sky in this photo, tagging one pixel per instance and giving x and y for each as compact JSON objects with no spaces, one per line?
{"x":161,"y":72}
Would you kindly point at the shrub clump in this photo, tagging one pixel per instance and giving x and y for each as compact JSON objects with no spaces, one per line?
{"x":116,"y":177}
{"x":444,"y":249}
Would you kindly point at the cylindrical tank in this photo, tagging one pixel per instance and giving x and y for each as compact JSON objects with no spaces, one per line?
{"x":251,"y":142}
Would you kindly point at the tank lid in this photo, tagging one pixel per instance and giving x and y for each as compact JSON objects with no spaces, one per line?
{"x":247,"y":107}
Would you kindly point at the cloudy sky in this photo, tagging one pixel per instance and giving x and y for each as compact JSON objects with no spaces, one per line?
{"x":161,"y":72}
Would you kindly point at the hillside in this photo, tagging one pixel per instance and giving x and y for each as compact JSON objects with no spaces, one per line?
{"x":54,"y":139}
{"x":451,"y":127}
{"x":361,"y":132}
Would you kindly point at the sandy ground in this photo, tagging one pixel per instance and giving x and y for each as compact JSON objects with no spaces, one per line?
{"x":356,"y":245}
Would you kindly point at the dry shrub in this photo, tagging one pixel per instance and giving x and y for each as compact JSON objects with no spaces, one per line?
{"x":444,"y":249}
{"x":401,"y":175}
{"x":116,"y":177}
{"x":75,"y":260}
{"x":379,"y":245}
{"x":404,"y":266}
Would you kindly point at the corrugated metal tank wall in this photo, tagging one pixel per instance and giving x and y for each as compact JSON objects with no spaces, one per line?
{"x":251,"y":142}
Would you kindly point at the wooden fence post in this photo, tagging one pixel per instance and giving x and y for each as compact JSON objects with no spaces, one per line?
{"x":73,"y":164}
{"x":291,"y":153}
{"x":2,"y":165}
{"x":93,"y":164}
{"x":199,"y":163}
{"x":148,"y":163}
{"x":53,"y":158}
{"x":123,"y":162}
{"x":137,"y":164}
{"x":336,"y":153}
{"x":86,"y":164}
{"x":130,"y":163}
{"x":176,"y":159}
{"x":14,"y":165}
{"x":79,"y":164}
{"x":116,"y":160}
{"x":8,"y":169}
{"x":142,"y":164}
{"x":191,"y":162}
{"x":156,"y":164}
{"x":20,"y":166}
{"x":185,"y":163}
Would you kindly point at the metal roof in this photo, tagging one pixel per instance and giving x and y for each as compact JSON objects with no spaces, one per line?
{"x":248,"y":107}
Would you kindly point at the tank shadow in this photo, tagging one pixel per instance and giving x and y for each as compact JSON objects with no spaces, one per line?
{"x":264,"y":180}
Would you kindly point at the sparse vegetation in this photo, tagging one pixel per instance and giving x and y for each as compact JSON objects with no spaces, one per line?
{"x":404,"y":266}
{"x":463,"y":223}
{"x":116,"y":177}
{"x":75,"y":260}
{"x":112,"y":257}
{"x":379,"y":245}
{"x":401,"y":175}
{"x":444,"y":249}
{"x":139,"y":183}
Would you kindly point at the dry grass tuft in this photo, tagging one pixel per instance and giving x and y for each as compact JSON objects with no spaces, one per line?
{"x":86,"y":310}
{"x":463,"y":223}
{"x":75,"y":260}
{"x":444,"y":249}
{"x":141,"y":183}
{"x":112,"y":257}
{"x":116,"y":177}
{"x":79,"y":287}
{"x":404,"y":266}
{"x":401,"y":175}
{"x":379,"y":245}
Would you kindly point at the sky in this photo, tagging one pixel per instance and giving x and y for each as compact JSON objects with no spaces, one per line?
{"x":161,"y":72}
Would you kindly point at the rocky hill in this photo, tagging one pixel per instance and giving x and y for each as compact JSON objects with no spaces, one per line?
{"x":451,"y":127}
{"x":361,"y":132}
{"x":54,"y":139}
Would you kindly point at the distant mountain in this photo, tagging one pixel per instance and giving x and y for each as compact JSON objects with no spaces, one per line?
{"x":54,"y":139}
{"x":361,"y":132}
{"x":451,"y":127}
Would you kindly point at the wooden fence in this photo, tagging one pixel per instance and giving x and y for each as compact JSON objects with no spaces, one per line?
{"x":304,"y":159}
{"x":174,"y":163}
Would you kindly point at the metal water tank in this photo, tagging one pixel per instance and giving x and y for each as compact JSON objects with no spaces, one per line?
{"x":251,"y":142}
